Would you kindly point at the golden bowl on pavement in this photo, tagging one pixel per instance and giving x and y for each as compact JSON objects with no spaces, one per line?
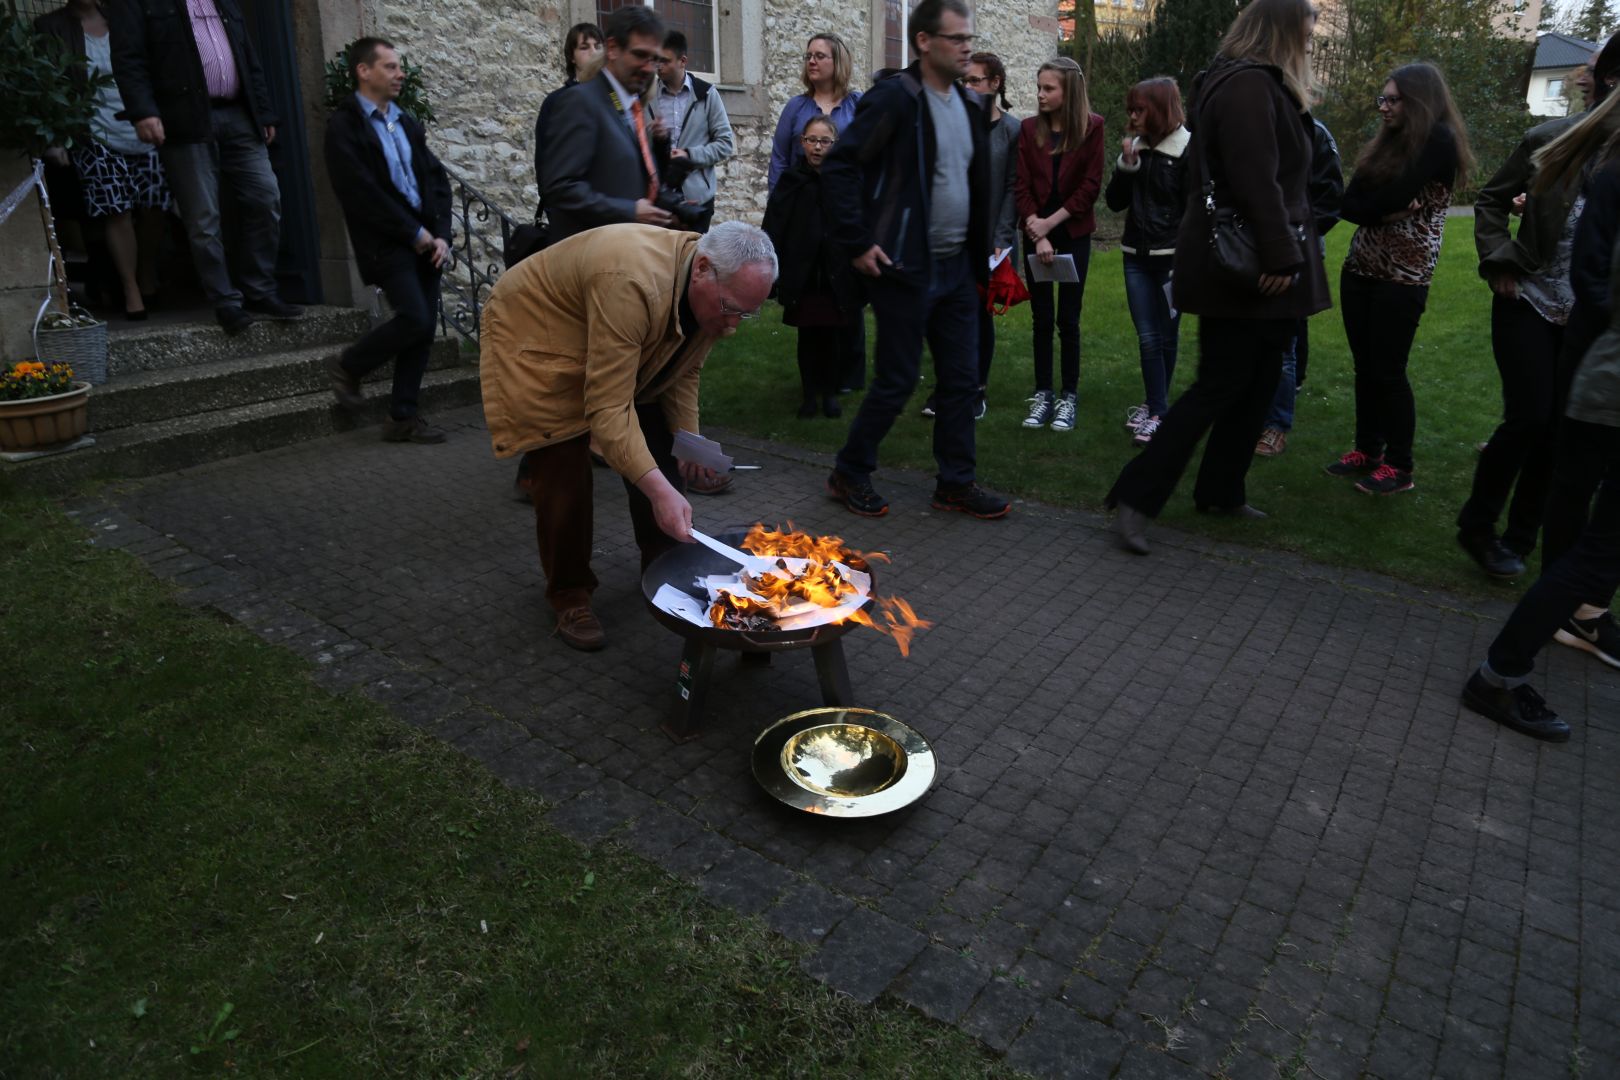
{"x":844,"y":762}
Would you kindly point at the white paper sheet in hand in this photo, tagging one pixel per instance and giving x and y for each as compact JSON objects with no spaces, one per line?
{"x":1062,"y":269}
{"x":701,"y":451}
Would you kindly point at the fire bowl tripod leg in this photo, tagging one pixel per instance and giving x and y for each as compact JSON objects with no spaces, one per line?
{"x":833,"y":673}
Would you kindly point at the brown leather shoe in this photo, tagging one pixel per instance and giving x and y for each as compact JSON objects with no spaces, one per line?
{"x":345,"y":387}
{"x":414,"y":429}
{"x":580,"y":629}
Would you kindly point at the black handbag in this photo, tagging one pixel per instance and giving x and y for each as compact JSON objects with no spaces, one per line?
{"x":1234,"y":253}
{"x":526,"y":240}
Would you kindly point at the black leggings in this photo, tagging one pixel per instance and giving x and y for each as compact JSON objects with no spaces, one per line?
{"x":1380,"y":320}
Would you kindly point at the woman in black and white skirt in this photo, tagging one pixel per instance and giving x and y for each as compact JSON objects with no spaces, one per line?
{"x":120,"y":175}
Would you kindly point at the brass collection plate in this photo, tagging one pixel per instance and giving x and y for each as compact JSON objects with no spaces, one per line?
{"x":847,"y":763}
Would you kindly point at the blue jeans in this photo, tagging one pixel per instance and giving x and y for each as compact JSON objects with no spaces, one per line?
{"x":946,"y":313}
{"x":1282,"y":406}
{"x":1157,"y":329}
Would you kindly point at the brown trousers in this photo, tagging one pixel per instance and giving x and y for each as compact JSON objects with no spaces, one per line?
{"x":560,"y":482}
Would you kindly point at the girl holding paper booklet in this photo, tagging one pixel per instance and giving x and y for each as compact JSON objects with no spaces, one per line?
{"x":1060,"y":161}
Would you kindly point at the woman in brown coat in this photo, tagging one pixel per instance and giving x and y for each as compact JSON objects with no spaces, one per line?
{"x":1252,"y":139}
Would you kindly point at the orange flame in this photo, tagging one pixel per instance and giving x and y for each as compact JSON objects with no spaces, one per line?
{"x":821,"y":583}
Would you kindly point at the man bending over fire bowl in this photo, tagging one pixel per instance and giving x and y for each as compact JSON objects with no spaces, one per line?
{"x":603,"y":337}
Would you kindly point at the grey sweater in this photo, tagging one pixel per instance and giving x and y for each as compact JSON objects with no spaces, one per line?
{"x":1003,"y":213}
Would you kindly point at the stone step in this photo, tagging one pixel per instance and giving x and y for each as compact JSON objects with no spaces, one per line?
{"x":165,"y":347}
{"x":144,"y":397}
{"x":150,"y":449}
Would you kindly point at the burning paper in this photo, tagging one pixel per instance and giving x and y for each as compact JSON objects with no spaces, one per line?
{"x":791,"y":581}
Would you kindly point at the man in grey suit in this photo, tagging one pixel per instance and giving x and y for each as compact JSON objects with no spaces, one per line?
{"x":598,"y":166}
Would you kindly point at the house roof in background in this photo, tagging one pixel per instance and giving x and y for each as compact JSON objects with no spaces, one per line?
{"x":1562,"y":51}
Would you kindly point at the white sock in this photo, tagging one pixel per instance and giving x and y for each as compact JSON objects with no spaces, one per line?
{"x":1588,"y":611}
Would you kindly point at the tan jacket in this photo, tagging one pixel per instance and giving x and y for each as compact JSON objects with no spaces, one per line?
{"x":575,"y":337}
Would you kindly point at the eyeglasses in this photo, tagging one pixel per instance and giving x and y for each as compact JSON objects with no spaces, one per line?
{"x":975,"y":80}
{"x":817,"y":140}
{"x":646,"y":56}
{"x":809,"y":56}
{"x":726,"y":309}
{"x":1389,"y":99}
{"x":955,"y":39}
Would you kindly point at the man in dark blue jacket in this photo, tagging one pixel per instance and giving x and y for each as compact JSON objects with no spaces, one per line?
{"x":396,"y":199}
{"x":904,"y":189}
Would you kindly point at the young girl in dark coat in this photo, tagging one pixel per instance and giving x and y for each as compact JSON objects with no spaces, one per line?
{"x":815,"y":283}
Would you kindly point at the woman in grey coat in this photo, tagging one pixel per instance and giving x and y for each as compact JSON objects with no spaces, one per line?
{"x":988,"y":77}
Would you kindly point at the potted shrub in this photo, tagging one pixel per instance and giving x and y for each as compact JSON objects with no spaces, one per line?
{"x":41,"y":406}
{"x":50,"y":98}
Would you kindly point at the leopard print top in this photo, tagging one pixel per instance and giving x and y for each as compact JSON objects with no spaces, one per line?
{"x":1403,"y":252}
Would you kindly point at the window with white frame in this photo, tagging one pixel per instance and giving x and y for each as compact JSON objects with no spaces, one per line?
{"x":1555,"y":89}
{"x":694,"y":18}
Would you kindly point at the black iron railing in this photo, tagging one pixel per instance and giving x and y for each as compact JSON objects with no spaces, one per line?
{"x":479,"y":231}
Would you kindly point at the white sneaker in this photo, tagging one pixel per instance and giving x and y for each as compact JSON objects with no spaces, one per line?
{"x":1063,"y":414}
{"x":1135,"y":415}
{"x":1146,"y":430}
{"x":1040,"y":409}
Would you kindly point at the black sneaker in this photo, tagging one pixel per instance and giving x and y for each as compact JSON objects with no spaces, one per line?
{"x":971,"y":499}
{"x":1040,"y":409}
{"x":1520,"y":708}
{"x":273,"y":307}
{"x":1494,"y":557}
{"x":1598,"y":635}
{"x":1355,"y":463}
{"x":928,"y":407}
{"x":232,"y":318}
{"x":858,"y":496}
{"x":1386,"y":480}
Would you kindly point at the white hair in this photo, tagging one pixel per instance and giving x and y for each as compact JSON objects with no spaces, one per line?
{"x":732,"y":245}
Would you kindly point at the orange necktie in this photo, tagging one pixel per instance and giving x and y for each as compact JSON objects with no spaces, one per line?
{"x":646,"y":151}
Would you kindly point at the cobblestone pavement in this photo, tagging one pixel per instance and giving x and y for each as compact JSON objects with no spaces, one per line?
{"x":1216,"y":811}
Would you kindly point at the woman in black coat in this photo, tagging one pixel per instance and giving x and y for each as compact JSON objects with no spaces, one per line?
{"x":1252,"y":138}
{"x":815,"y":283}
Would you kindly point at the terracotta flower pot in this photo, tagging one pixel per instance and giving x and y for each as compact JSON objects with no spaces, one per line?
{"x":41,"y":423}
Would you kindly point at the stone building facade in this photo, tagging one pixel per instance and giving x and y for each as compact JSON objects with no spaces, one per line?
{"x":488,"y":64}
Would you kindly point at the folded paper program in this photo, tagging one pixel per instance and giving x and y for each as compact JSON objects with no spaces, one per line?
{"x":701,"y":451}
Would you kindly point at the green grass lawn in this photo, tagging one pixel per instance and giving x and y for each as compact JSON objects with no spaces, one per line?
{"x":752,"y":386}
{"x":188,"y":824}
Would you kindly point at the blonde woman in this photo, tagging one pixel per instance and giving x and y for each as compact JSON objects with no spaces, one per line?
{"x":1060,"y":164}
{"x":828,"y":68}
{"x":1252,"y":139}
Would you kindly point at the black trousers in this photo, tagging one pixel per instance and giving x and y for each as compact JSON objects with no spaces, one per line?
{"x":1591,"y":567}
{"x":823,"y":357}
{"x":1380,"y":321}
{"x":412,"y":288}
{"x":1066,"y":317}
{"x":1239,"y":362}
{"x":1518,"y":458}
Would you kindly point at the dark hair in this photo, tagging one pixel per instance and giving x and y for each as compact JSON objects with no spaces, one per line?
{"x":675,"y":42}
{"x":927,"y":16}
{"x":364,"y":51}
{"x":1159,"y":98}
{"x":1605,"y":67}
{"x":1426,"y":104}
{"x":632,"y":19}
{"x":995,"y":69}
{"x":577,"y":33}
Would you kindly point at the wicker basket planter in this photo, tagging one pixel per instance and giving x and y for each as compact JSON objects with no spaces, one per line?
{"x":41,"y":423}
{"x":82,"y":347}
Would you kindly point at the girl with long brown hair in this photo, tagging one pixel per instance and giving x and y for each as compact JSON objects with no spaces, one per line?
{"x":1398,"y":195}
{"x":1060,"y":161}
{"x":1251,"y":152}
